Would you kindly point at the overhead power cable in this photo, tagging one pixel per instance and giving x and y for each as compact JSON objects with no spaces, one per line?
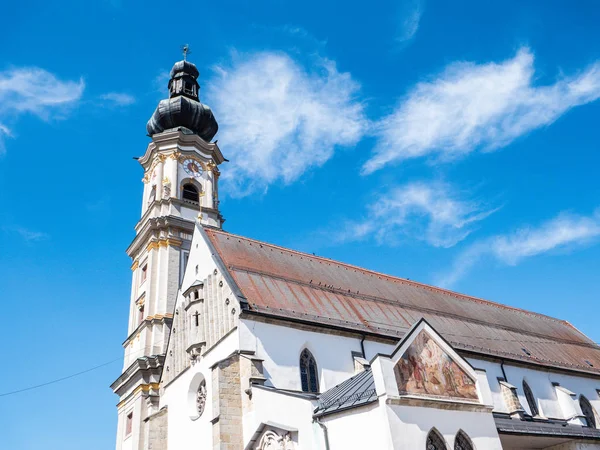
{"x":73,"y":375}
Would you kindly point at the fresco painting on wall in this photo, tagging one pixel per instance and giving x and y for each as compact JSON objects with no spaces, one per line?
{"x":426,"y":369}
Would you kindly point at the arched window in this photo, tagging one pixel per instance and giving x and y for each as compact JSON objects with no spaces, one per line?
{"x":190,"y":192}
{"x":435,"y":441}
{"x":152,"y":195}
{"x":588,"y":411}
{"x":462,"y":441}
{"x":530,"y":399}
{"x":308,"y":372}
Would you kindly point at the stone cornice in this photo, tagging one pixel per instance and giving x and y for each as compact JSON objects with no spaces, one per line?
{"x":165,"y":201}
{"x":142,"y":368}
{"x":147,"y":387}
{"x":149,"y":320}
{"x":176,"y":141}
{"x":438,"y":404}
{"x":152,"y":228}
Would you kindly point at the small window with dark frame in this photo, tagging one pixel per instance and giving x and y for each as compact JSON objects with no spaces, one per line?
{"x":141,"y":314}
{"x":308,"y":372}
{"x":190,"y":193}
{"x":144,"y":273}
{"x":129,"y":424}
{"x":152,"y":195}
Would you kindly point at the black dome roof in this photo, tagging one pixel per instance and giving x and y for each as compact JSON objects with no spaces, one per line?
{"x":181,"y":111}
{"x":184,"y":67}
{"x":183,"y":108}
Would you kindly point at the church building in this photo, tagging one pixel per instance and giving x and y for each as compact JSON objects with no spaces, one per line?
{"x":236,"y":344}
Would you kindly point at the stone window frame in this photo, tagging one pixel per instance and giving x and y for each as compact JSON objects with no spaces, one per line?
{"x":129,"y":424}
{"x":435,"y":440}
{"x":194,"y":182}
{"x":309,"y":372}
{"x":462,"y":441}
{"x":197,"y":396}
{"x":531,"y":401}
{"x":588,"y":410}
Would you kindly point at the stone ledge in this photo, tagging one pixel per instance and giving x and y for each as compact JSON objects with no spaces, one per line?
{"x":438,"y":404}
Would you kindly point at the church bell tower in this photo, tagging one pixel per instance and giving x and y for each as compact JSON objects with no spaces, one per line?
{"x":180,"y":187}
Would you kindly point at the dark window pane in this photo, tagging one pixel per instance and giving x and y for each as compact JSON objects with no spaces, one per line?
{"x":530,"y":399}
{"x":308,"y":372}
{"x":588,"y":411}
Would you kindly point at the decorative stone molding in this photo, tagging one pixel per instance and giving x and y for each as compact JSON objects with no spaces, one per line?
{"x":172,"y":242}
{"x":201,"y":398}
{"x":140,"y":301}
{"x":194,"y":351}
{"x":272,"y":440}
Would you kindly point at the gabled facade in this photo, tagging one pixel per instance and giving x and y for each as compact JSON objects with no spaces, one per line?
{"x":239,"y":344}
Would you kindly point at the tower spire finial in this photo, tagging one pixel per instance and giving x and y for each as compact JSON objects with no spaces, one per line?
{"x":186,"y":51}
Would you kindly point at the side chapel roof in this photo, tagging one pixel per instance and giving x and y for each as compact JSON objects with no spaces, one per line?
{"x":291,"y":285}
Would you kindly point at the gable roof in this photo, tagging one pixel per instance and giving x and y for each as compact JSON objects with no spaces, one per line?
{"x":283,"y":283}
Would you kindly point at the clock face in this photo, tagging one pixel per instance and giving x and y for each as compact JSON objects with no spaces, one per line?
{"x":192,"y":167}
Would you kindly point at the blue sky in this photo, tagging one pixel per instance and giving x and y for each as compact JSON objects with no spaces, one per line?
{"x":453,"y":143}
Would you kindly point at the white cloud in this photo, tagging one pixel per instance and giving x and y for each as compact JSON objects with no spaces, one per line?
{"x":477,"y":106}
{"x":432,"y":212}
{"x":35,"y":91}
{"x":278,"y":119}
{"x":562,"y":232}
{"x":118,"y":98}
{"x":161,"y":83}
{"x":26,"y":234}
{"x":410,"y":17}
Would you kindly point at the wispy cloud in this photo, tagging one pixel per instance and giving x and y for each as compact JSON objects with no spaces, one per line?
{"x":433,"y":212}
{"x":477,"y":106}
{"x":26,"y":234}
{"x":278,"y":119}
{"x":31,"y":90}
{"x":562,"y":232}
{"x":410,"y":14}
{"x":118,"y":98}
{"x":161,"y":82}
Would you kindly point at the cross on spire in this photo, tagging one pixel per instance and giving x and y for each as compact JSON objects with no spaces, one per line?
{"x":185,"y":49}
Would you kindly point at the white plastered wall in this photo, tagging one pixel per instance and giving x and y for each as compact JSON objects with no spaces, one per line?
{"x":287,"y":411}
{"x":184,"y":432}
{"x":280,"y":348}
{"x":362,"y":428}
{"x":540,"y":381}
{"x":410,"y":425}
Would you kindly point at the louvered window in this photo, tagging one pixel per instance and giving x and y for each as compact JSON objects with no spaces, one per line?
{"x":190,"y":192}
{"x":308,"y":372}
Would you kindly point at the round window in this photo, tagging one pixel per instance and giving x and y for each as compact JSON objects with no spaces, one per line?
{"x":201,"y":398}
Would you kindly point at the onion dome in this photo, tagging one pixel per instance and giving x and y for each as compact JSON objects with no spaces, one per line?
{"x":183,"y":107}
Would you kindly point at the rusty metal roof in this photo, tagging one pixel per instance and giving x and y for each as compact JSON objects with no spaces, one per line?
{"x":297,"y":286}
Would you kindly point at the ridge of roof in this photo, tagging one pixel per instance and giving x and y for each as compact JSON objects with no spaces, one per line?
{"x":396,"y":278}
